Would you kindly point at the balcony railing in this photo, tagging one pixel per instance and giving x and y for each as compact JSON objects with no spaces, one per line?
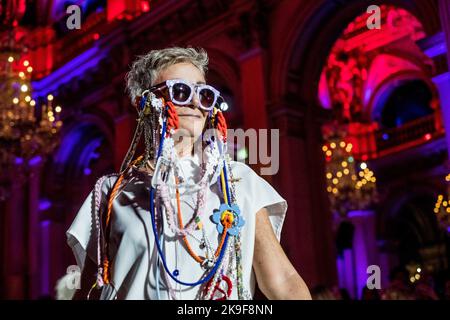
{"x":422,"y":128}
{"x":370,"y":142}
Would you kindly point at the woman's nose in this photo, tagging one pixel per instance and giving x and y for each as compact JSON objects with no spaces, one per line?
{"x":195,"y":101}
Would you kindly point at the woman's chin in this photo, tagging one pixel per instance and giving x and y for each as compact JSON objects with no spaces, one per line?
{"x":183,"y":132}
{"x":191,"y":128}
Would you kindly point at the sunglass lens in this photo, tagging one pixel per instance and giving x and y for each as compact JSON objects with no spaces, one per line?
{"x":181,"y":92}
{"x":207,"y":98}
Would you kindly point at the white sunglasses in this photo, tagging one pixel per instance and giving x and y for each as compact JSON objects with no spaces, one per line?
{"x":181,"y":93}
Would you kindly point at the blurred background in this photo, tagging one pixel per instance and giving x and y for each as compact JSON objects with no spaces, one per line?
{"x":363,"y":114}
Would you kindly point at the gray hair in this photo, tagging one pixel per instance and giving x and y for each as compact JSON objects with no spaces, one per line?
{"x":145,"y":69}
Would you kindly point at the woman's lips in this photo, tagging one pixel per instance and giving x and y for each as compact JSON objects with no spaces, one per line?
{"x":189,"y":115}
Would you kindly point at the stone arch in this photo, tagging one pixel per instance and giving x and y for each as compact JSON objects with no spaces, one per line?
{"x":308,"y":44}
{"x":400,"y":195}
{"x":78,"y":149}
{"x":383,"y":90}
{"x":297,"y":60}
{"x":397,"y":66}
{"x":97,"y":118}
{"x":408,"y":228}
{"x":85,"y":152}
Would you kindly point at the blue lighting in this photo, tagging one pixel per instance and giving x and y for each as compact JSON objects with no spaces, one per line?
{"x":79,"y":147}
{"x":385,"y":136}
{"x":44,"y":204}
{"x":75,"y":68}
{"x":360,"y":213}
{"x":45,"y":223}
{"x":34,"y":161}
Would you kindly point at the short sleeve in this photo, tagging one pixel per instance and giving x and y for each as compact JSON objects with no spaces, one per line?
{"x":262,"y":195}
{"x":83,"y":233}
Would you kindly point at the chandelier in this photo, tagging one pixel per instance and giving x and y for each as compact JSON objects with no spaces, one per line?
{"x":351,"y":185}
{"x":29,"y":126}
{"x":442,"y":208}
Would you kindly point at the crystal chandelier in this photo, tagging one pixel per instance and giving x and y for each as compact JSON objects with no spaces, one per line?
{"x":351,"y":185}
{"x":442,"y":208}
{"x":28,"y":128}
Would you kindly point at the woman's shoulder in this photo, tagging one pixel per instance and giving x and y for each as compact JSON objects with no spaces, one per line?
{"x":106,"y":182}
{"x":134,"y":175}
{"x":251,"y":182}
{"x":241,"y":170}
{"x":238,"y":166}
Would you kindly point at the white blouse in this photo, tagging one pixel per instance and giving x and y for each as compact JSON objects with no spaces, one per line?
{"x":133,"y":255}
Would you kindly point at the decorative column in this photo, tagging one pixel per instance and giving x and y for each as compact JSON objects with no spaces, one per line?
{"x":250,"y":35}
{"x":13,"y":235}
{"x":42,"y":40}
{"x":307,"y":235}
{"x":254,"y":99}
{"x":444,"y":12}
{"x":442,"y":80}
{"x":33,"y":228}
{"x":352,"y":265}
{"x":253,"y":89}
{"x":20,"y":234}
{"x":442,"y":83}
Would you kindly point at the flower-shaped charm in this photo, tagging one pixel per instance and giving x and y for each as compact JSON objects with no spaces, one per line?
{"x":229,"y":217}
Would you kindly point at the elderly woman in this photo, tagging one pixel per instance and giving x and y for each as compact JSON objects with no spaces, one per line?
{"x":181,"y":221}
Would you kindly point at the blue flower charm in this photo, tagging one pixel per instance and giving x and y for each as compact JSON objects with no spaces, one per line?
{"x":230,"y":217}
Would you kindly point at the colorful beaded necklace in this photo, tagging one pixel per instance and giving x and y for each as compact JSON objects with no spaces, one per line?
{"x":225,"y":225}
{"x":227,"y":217}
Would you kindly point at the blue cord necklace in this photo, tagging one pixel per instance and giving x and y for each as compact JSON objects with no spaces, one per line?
{"x":175,"y":273}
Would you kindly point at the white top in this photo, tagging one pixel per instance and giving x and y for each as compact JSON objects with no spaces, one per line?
{"x":133,"y":254}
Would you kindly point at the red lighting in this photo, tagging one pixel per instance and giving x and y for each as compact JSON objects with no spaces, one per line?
{"x":427,"y":136}
{"x":96,"y":36}
{"x":115,"y":11}
{"x":364,"y":157}
{"x":145,"y":6}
